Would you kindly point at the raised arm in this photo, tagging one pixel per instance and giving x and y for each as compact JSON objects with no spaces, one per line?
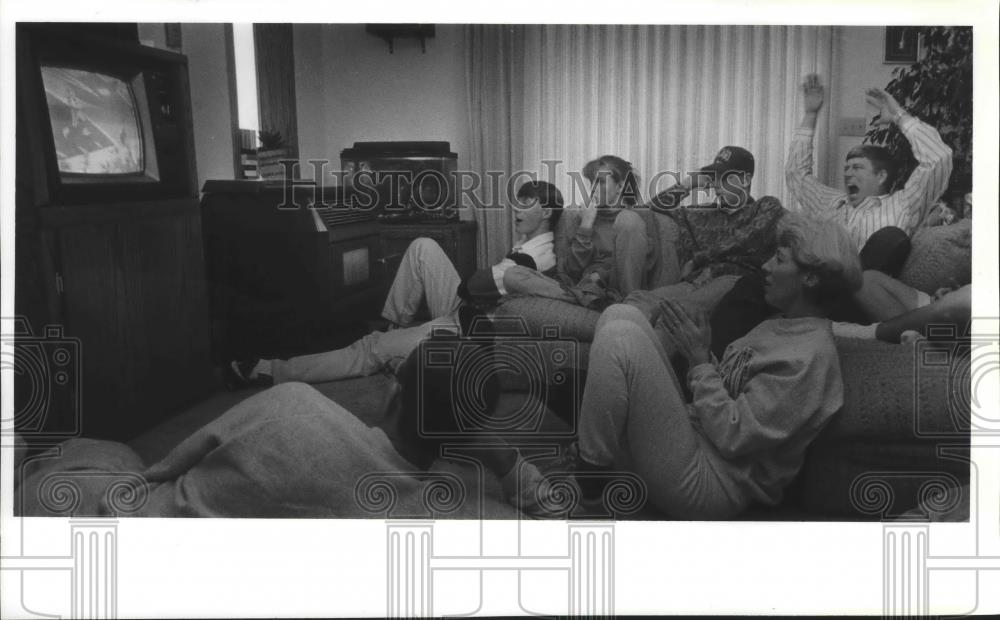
{"x":934,"y":159}
{"x":579,"y":249}
{"x":815,"y":198}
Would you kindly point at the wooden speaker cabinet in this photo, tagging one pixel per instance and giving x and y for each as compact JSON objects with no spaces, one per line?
{"x":124,"y":287}
{"x":288,"y":275}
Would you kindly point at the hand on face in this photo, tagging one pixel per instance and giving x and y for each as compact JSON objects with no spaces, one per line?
{"x":688,"y":333}
{"x":888,"y":108}
{"x":812,"y":93}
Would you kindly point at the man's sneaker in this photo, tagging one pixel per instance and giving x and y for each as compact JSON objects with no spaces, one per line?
{"x":240,"y":374}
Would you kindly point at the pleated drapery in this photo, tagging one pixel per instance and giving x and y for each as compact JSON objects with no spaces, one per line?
{"x":274,"y":50}
{"x":665,"y":98}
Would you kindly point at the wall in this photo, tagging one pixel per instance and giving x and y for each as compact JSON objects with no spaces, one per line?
{"x":205,"y":47}
{"x":350,"y":88}
{"x":858,"y":67}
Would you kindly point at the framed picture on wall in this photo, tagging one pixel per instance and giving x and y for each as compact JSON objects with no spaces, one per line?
{"x":901,"y":44}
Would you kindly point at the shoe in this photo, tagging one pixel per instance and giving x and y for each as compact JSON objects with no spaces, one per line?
{"x":239,"y":374}
{"x":533,"y":494}
{"x":566,"y":463}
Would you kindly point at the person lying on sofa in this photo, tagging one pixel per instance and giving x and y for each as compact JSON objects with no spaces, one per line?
{"x":609,"y":249}
{"x":743,"y":437}
{"x":879,"y":218}
{"x":290,"y":451}
{"x":425,"y":274}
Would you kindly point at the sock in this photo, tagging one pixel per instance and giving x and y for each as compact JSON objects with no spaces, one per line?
{"x":853,"y":330}
{"x":263,"y":367}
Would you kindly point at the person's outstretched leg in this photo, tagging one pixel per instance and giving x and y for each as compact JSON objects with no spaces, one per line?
{"x":886,"y":251}
{"x":632,"y":249}
{"x":953,"y":309}
{"x":882,"y":297}
{"x":739,"y":311}
{"x":366,"y":356}
{"x":633,"y":414}
{"x":425,"y":272}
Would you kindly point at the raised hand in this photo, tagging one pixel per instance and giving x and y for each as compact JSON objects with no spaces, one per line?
{"x":689,"y":333}
{"x":889,"y":109}
{"x":812,"y":94}
{"x":589,"y":212}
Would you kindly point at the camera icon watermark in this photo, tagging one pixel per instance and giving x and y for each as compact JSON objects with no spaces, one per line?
{"x":953,"y":369}
{"x":46,"y":379}
{"x":497,"y":354}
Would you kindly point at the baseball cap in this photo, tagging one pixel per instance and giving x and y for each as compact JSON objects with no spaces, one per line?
{"x":729,"y":159}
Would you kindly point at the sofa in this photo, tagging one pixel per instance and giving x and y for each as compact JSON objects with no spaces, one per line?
{"x":898,"y":448}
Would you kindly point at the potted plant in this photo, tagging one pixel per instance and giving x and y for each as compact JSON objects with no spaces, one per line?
{"x":271,"y":151}
{"x":937,"y":89}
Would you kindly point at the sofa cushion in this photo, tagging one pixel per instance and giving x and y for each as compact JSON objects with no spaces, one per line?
{"x":902,"y":391}
{"x":940,"y":256}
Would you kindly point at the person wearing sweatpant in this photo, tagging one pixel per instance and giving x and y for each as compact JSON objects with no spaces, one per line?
{"x":743,"y":436}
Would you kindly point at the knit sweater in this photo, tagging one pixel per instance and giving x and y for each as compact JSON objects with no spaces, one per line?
{"x":727,"y":242}
{"x":765,"y":402}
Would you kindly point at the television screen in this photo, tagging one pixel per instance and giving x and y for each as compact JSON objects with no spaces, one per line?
{"x":95,"y":124}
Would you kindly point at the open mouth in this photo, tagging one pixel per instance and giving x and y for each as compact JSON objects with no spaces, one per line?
{"x":852,"y":189}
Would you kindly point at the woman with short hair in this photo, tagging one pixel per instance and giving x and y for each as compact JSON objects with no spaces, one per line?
{"x":743,"y":435}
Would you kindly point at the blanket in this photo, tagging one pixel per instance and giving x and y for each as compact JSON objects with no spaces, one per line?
{"x":286,"y":452}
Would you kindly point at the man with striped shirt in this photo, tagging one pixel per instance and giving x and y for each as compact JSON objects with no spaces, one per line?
{"x":878,"y":220}
{"x":867,"y":205}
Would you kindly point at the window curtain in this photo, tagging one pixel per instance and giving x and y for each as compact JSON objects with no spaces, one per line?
{"x":665,"y":98}
{"x":273,"y":48}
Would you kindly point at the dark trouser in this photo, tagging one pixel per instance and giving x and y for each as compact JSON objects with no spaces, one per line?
{"x":886,"y":251}
{"x":740,"y":310}
{"x":744,"y":307}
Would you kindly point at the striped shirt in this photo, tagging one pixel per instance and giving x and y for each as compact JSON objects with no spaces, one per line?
{"x":907,"y":208}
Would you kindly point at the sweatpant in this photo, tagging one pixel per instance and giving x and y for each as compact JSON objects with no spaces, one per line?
{"x":425,"y":273}
{"x":634,"y":417}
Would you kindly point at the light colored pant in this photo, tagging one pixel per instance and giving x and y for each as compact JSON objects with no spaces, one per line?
{"x":424,"y":273}
{"x":634,"y":417}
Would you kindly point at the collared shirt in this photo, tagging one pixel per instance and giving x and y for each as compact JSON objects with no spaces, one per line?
{"x":540,"y":250}
{"x":907,"y":208}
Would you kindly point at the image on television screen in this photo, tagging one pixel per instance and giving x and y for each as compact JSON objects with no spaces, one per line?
{"x":94,"y":122}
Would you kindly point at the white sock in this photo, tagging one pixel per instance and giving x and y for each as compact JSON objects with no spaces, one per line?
{"x":853,"y":330}
{"x":263,"y":367}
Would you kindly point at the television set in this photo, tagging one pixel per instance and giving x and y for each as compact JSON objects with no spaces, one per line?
{"x":104,"y":120}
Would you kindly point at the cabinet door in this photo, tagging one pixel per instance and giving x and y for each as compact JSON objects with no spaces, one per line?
{"x":134,"y":294}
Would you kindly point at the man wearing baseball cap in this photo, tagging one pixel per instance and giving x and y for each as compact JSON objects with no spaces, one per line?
{"x":733,"y":234}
